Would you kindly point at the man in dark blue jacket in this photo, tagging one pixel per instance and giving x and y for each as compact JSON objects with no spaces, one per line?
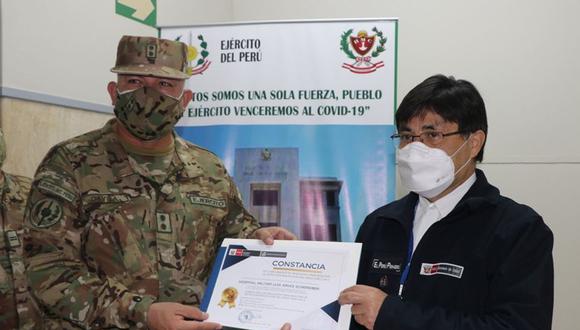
{"x":453,"y":253}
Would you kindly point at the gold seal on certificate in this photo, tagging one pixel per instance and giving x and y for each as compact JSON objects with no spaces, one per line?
{"x":229,"y":296}
{"x":257,"y":286}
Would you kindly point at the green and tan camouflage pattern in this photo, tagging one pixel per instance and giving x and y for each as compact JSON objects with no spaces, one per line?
{"x":106,"y":241}
{"x":147,"y":113}
{"x":153,"y":167}
{"x":18,"y":310}
{"x":151,"y":56}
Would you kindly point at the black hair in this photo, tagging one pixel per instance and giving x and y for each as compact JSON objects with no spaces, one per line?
{"x":456,"y":101}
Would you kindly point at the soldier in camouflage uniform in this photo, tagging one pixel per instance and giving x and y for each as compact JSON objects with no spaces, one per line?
{"x":124,"y":222}
{"x":17,"y":309}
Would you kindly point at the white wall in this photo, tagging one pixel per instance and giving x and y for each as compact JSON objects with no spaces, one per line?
{"x":522,"y":55}
{"x":188,"y":12}
{"x":63,"y":48}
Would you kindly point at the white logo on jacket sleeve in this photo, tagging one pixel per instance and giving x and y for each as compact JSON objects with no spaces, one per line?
{"x":441,"y":268}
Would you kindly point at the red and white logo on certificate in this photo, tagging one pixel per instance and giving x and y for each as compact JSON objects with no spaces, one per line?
{"x":236,"y":252}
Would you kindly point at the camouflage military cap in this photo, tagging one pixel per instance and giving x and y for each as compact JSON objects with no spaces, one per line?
{"x":149,"y":56}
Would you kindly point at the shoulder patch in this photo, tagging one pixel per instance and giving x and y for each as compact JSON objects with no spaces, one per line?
{"x":50,"y":188}
{"x":45,"y":213}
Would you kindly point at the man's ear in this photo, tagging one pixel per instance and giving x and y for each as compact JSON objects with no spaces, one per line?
{"x":186,"y":98}
{"x":112,"y":89}
{"x":476,"y":142}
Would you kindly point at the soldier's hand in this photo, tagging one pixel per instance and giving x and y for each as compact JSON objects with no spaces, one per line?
{"x":269,"y":234}
{"x":366,"y":302}
{"x":174,"y":316}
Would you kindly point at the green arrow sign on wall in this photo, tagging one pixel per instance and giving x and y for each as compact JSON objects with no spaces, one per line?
{"x":144,"y":11}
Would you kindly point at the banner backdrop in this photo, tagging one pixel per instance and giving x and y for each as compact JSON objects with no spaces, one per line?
{"x":301,"y":113}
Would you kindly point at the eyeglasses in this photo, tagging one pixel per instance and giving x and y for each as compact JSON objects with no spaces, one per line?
{"x":432,"y":138}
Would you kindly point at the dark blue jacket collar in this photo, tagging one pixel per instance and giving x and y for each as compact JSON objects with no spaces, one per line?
{"x":480,"y":194}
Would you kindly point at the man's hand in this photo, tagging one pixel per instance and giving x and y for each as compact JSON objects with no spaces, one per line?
{"x":269,"y":234}
{"x":174,"y":316}
{"x":286,"y":326}
{"x":366,"y":302}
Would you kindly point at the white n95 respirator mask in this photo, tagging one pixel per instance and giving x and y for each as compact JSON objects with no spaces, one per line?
{"x":427,"y":171}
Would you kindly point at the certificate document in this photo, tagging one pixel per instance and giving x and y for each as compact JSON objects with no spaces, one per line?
{"x":257,"y":286}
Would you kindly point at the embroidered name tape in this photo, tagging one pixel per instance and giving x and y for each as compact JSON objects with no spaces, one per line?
{"x":219,"y":203}
{"x":51,"y":188}
{"x":441,"y":269}
{"x":386,"y":265}
{"x":106,"y":198}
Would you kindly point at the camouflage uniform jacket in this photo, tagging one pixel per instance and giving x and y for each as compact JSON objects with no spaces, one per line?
{"x":18,"y":310}
{"x":105,"y":241}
